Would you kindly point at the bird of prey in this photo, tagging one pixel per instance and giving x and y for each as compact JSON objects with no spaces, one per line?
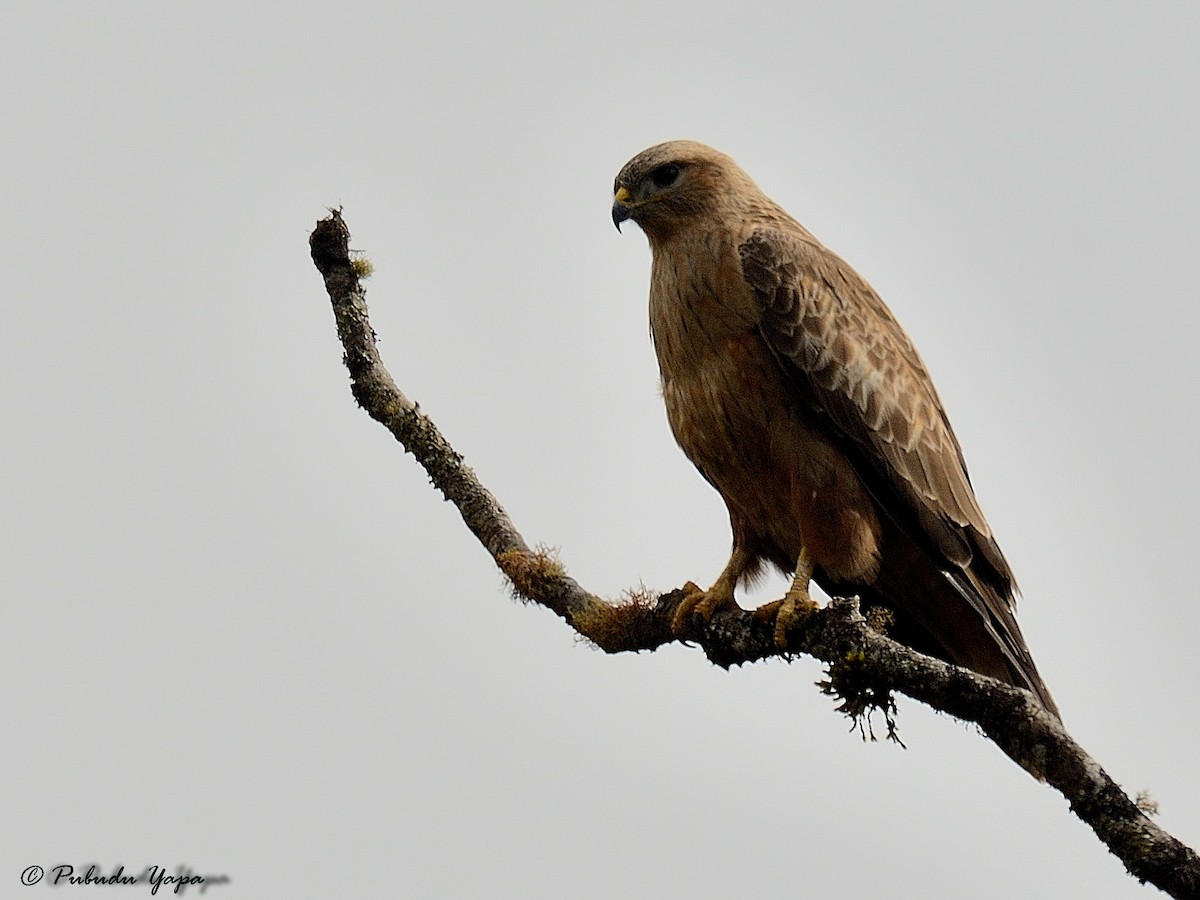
{"x":798,"y":396}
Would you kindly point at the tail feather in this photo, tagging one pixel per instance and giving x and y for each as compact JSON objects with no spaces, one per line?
{"x":955,"y":616}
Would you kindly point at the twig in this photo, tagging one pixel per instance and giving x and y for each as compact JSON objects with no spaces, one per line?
{"x":865,"y":665}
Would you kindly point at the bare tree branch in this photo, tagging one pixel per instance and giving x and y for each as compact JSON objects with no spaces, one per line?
{"x":865,"y":666}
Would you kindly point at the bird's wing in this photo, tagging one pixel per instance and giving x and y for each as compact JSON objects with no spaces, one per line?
{"x":851,"y":362}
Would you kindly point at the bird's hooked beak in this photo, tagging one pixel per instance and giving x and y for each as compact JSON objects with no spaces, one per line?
{"x":620,"y":207}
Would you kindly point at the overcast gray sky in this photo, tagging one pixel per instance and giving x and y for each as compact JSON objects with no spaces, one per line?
{"x":242,"y":634}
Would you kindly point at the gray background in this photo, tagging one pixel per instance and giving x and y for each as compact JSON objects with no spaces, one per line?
{"x":241,"y":633}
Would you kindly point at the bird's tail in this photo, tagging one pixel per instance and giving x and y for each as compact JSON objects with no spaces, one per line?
{"x":957,"y":617}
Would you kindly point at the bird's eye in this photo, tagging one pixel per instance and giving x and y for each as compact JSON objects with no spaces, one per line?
{"x":664,"y":176}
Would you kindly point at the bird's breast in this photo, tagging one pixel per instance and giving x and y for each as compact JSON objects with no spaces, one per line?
{"x":738,"y":418}
{"x":724,"y":404}
{"x":716,"y":370}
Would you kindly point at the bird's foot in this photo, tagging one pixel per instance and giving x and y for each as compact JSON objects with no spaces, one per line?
{"x":791,"y":611}
{"x":699,"y":604}
{"x":768,"y":612}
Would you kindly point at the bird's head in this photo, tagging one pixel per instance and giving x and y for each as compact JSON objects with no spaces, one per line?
{"x":671,"y":185}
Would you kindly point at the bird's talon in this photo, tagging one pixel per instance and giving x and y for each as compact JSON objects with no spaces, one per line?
{"x":697,"y":604}
{"x":768,"y":612}
{"x":791,"y":613}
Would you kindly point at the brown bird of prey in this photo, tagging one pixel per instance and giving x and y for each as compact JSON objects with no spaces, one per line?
{"x":794,"y":391}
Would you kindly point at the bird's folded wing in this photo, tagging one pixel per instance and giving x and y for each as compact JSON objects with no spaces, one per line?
{"x":852,"y":363}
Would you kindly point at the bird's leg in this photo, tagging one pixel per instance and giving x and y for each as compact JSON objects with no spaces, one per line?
{"x":705,"y":603}
{"x":796,"y":604}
